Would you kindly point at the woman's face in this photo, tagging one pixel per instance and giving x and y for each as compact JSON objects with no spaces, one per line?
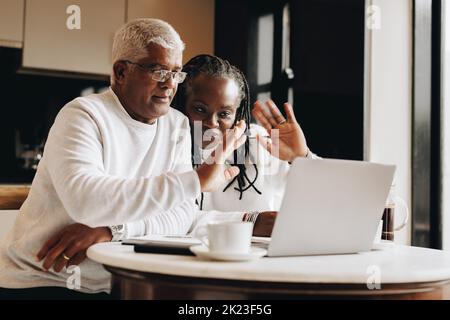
{"x":214,"y":102}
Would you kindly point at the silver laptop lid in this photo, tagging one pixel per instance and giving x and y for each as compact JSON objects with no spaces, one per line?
{"x":330,"y":207}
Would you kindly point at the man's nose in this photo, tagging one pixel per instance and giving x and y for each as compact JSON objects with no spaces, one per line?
{"x":170,"y":83}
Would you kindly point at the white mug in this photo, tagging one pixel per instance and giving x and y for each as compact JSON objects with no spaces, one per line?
{"x":232,"y":237}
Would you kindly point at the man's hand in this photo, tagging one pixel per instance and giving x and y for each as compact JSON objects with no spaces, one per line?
{"x":212,"y":173}
{"x":71,"y":242}
{"x":287,"y":141}
{"x":264,"y":224}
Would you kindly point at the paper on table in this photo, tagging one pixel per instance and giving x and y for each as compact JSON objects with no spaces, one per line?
{"x":163,"y":238}
{"x":182,"y":239}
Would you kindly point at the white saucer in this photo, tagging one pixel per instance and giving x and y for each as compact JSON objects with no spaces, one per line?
{"x":203,"y":252}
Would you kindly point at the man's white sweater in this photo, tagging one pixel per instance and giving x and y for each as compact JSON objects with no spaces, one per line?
{"x":100,"y":167}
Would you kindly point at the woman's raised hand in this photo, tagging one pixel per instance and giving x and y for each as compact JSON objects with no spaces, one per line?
{"x":286,"y":140}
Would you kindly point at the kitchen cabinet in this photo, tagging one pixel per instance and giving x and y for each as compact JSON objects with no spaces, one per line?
{"x":69,"y":35}
{"x":11,"y":23}
{"x":193,"y":19}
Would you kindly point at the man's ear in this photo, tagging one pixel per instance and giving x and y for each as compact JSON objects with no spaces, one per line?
{"x":120,"y":70}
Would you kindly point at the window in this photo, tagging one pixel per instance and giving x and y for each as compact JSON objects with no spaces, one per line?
{"x":307,"y":52}
{"x":445,"y":123}
{"x":268,"y":69}
{"x":427,"y":142}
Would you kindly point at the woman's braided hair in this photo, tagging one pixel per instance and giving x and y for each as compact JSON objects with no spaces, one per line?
{"x":220,"y":68}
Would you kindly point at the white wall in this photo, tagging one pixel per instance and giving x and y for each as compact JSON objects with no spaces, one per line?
{"x":389,"y":96}
{"x":193,"y":19}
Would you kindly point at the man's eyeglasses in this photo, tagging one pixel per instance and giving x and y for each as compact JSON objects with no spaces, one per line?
{"x":161,"y":75}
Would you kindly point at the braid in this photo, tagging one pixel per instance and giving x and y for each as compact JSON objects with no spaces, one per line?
{"x":220,"y":68}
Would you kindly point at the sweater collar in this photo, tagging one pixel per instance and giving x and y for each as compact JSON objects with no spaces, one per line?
{"x":124,"y":115}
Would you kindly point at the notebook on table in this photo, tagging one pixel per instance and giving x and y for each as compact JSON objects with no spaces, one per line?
{"x":168,"y":244}
{"x":172,"y":244}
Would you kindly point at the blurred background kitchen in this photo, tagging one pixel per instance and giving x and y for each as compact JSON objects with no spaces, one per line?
{"x":366,"y":78}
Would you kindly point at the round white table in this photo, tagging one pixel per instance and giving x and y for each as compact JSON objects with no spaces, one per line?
{"x":391,"y":271}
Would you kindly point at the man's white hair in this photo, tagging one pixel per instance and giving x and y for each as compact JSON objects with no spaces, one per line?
{"x":133,"y":38}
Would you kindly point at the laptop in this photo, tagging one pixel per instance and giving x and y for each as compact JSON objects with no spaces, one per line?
{"x":329,"y":207}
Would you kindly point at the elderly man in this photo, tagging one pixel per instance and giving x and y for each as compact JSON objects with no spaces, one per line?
{"x":111,"y":159}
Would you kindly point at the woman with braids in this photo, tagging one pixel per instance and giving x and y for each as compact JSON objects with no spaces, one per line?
{"x":215,"y":96}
